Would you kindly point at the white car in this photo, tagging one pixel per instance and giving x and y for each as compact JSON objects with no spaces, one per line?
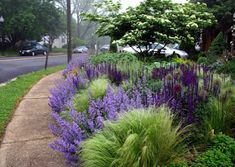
{"x":133,"y":49}
{"x":105,"y":48}
{"x":80,"y":49}
{"x":167,"y":51}
{"x":129,"y":49}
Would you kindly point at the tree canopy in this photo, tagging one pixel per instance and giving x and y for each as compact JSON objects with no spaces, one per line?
{"x":222,"y":9}
{"x":155,"y":21}
{"x":30,"y":19}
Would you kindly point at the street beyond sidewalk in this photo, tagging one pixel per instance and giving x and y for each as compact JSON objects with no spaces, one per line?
{"x":14,"y":66}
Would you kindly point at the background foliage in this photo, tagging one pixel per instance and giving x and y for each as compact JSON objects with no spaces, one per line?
{"x":30,"y":20}
{"x":154,"y":21}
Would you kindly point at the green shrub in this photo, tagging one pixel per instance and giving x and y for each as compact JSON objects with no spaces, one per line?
{"x":126,"y":62}
{"x":155,"y":85}
{"x":157,"y":64}
{"x":178,"y":164}
{"x":228,"y":68}
{"x":181,"y":60}
{"x":140,"y":138}
{"x":96,"y":89}
{"x":212,"y":63}
{"x":213,"y":158}
{"x":225,"y":144}
{"x":217,"y":47}
{"x":113,"y":58}
{"x":201,"y":54}
{"x":221,"y":153}
{"x":202,"y":60}
{"x":132,"y":67}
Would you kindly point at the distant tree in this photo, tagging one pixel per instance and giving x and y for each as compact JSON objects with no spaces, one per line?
{"x":53,"y":21}
{"x":154,"y":21}
{"x":84,"y":29}
{"x":30,"y":19}
{"x":108,"y":12}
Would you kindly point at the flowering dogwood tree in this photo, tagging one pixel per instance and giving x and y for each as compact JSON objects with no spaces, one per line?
{"x":155,"y":21}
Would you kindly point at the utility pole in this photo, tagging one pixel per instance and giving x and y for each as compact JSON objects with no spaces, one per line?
{"x":2,"y":34}
{"x":69,"y":35}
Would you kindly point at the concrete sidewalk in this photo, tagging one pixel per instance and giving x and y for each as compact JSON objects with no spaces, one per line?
{"x":25,"y":143}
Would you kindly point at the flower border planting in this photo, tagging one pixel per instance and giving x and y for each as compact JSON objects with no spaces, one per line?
{"x":182,"y":87}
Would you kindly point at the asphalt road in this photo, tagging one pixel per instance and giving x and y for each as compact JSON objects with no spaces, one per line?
{"x":14,"y":66}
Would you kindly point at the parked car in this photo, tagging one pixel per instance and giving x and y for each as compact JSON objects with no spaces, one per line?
{"x":168,"y":50}
{"x":33,"y":49}
{"x":80,"y":49}
{"x":133,"y":49}
{"x":105,"y":48}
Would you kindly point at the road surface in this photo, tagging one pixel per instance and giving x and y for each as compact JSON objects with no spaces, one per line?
{"x":14,"y":66}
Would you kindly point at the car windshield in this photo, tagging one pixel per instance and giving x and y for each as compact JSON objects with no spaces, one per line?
{"x":80,"y":47}
{"x":157,"y":46}
{"x":173,"y":46}
{"x":28,"y":46}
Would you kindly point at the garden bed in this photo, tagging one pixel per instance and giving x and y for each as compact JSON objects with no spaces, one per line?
{"x":103,"y":98}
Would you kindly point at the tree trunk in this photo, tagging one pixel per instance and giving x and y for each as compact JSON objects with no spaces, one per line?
{"x":51,"y":41}
{"x":78,"y":25}
{"x":113,"y":47}
{"x":69,"y":35}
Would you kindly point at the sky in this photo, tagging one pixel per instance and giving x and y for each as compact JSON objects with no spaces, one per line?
{"x":127,"y":3}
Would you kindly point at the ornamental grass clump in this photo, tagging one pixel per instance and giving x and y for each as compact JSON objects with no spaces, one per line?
{"x":96,"y":89}
{"x":140,"y":138}
{"x":220,"y":112}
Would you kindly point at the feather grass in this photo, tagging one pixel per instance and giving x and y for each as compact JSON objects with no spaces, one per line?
{"x":221,"y":111}
{"x":140,"y":138}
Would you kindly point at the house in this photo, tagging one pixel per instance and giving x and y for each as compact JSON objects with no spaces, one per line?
{"x":60,"y":42}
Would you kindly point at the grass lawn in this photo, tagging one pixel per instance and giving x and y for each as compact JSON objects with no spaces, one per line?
{"x":59,"y":50}
{"x":9,"y":53}
{"x":12,"y":93}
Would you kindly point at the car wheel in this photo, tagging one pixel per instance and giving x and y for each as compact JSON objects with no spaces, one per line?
{"x":33,"y":54}
{"x":44,"y":53}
